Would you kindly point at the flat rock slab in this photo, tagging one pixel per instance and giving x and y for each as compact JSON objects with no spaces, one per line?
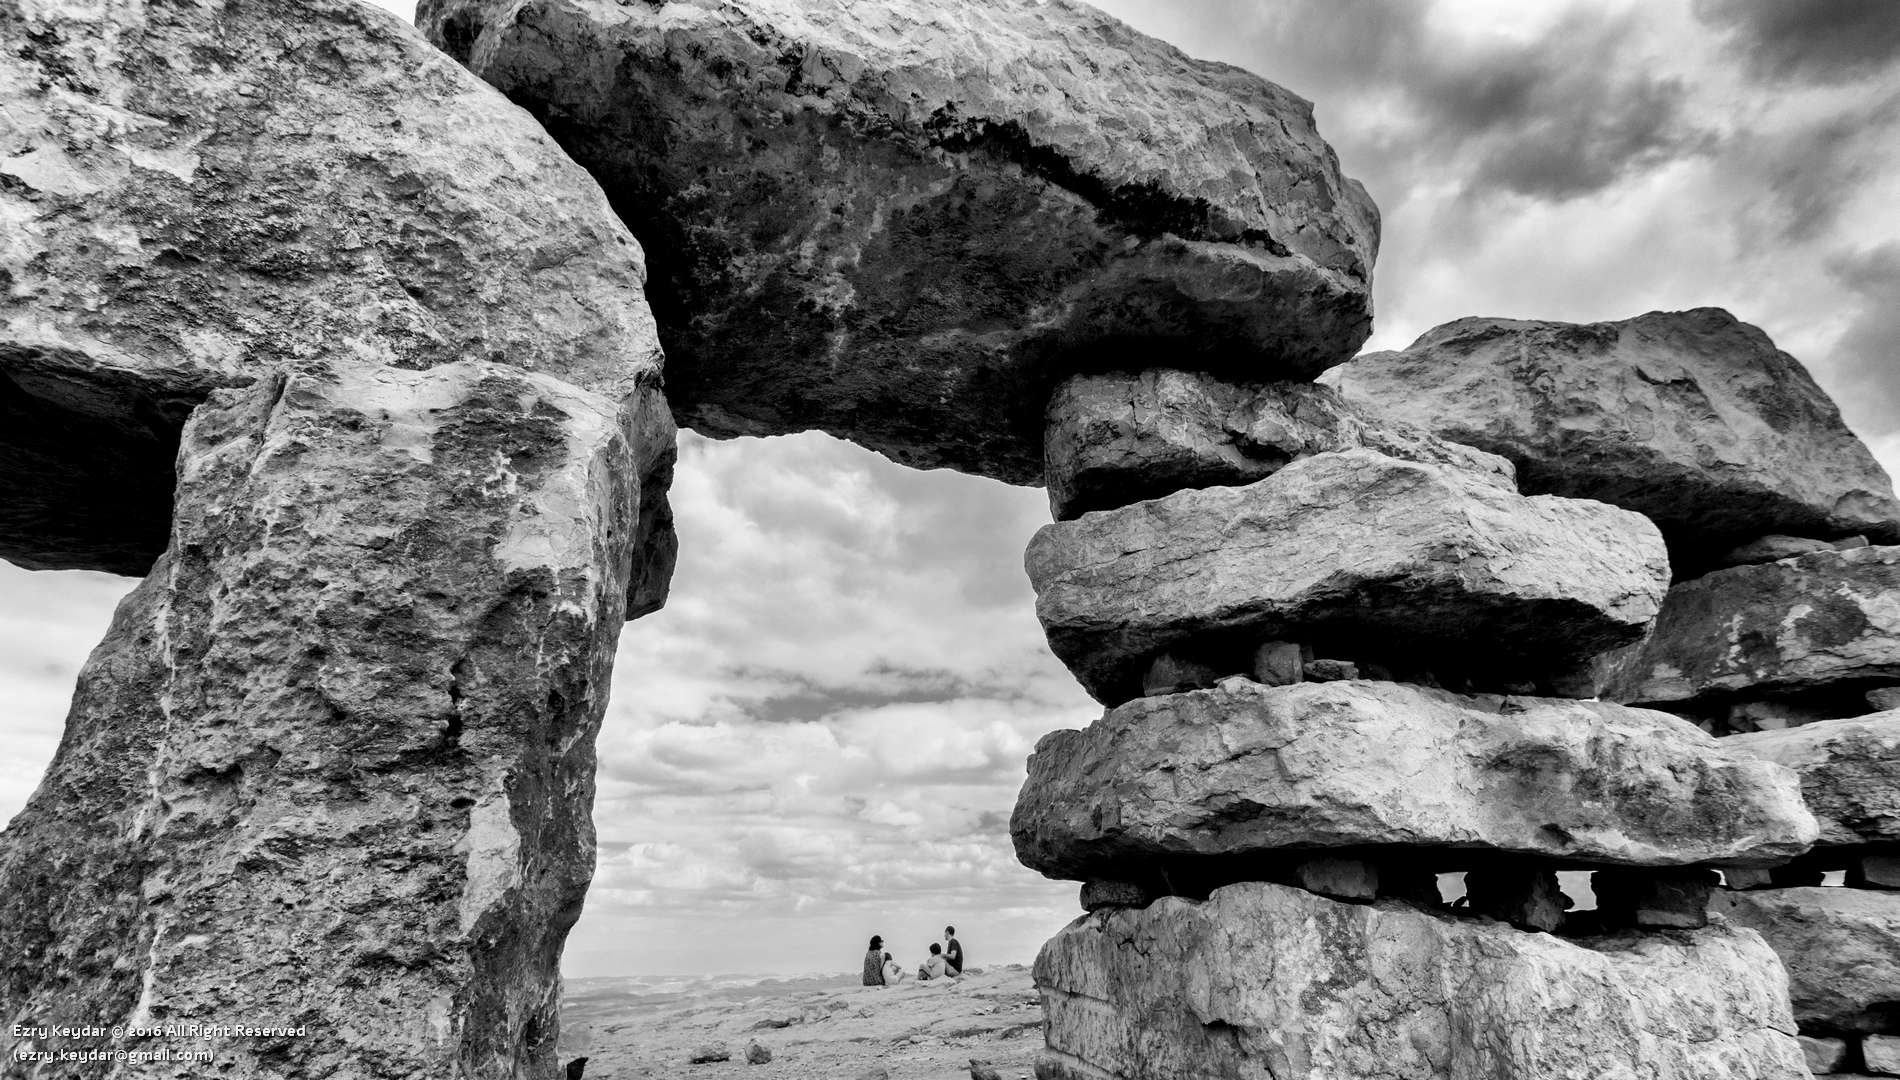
{"x":1849,"y":772}
{"x":1262,"y":980}
{"x":333,"y":766}
{"x":1691,"y":417}
{"x":196,"y":196}
{"x":1243,"y":770}
{"x":1822,"y":623}
{"x":901,"y":221}
{"x":1353,"y":550}
{"x":1118,"y":438}
{"x":1841,"y":948}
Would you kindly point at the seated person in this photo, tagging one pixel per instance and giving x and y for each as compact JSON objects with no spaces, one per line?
{"x":935,"y":967}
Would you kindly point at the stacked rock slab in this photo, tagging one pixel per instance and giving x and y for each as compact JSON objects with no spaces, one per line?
{"x":332,"y":769}
{"x":903,"y":221}
{"x":1341,"y":659}
{"x":1841,"y":945}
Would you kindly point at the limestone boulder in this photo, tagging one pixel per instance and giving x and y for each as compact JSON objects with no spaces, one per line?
{"x":1353,"y":552}
{"x":1693,"y":418}
{"x":333,"y":767}
{"x":902,"y":221}
{"x":1849,"y":772}
{"x":1118,"y":438}
{"x":1246,"y":770}
{"x":1264,"y":980}
{"x":1823,"y":626}
{"x":195,"y":196}
{"x":1841,"y":948}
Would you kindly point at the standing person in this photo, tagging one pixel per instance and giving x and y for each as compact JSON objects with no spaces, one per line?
{"x":874,"y":962}
{"x":952,"y":950}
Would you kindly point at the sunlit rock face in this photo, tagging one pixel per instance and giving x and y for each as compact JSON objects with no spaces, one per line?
{"x":1849,"y":771}
{"x":1841,"y":948}
{"x":1265,"y":980}
{"x":901,"y":221}
{"x":1351,"y":550}
{"x":1693,"y":418}
{"x":333,"y":766}
{"x":193,"y":196}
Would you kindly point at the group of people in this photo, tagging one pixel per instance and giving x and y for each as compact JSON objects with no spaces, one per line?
{"x":944,"y":962}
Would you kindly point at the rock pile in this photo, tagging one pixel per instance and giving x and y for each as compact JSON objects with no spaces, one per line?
{"x":1344,"y":657}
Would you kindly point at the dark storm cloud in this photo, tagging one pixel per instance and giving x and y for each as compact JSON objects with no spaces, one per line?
{"x":1827,"y":41}
{"x":1806,"y":174}
{"x":1867,"y":356}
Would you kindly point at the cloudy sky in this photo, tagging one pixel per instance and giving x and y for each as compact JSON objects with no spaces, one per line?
{"x":822,"y":735}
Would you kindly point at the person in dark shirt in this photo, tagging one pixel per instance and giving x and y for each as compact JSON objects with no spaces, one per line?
{"x":874,"y":962}
{"x":952,"y":950}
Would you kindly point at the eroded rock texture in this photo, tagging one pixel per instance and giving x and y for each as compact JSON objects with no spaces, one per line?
{"x":1245,"y":770}
{"x":1841,"y":948}
{"x":1351,"y":551}
{"x":1849,"y":771}
{"x":1693,"y":418}
{"x":333,"y":766}
{"x":1118,"y":438}
{"x":196,"y":195}
{"x":901,"y":221}
{"x":1262,"y":980}
{"x":1824,"y":626}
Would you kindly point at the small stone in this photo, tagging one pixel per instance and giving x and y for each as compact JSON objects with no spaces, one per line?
{"x":1675,"y":899}
{"x":1330,"y":671}
{"x":983,"y":1070}
{"x":1824,"y":1055}
{"x":1746,"y":877}
{"x":1278,"y":663}
{"x":757,"y":1053}
{"x":1753,"y":716}
{"x":1885,"y":699}
{"x":1098,"y":894}
{"x":1169,"y":674}
{"x":577,"y":1068}
{"x":711,"y":1052}
{"x":1851,"y":543}
{"x":1774,"y":548}
{"x":1341,"y":879}
{"x":1881,"y":1053}
{"x":875,"y":1072}
{"x":1878,"y":872}
{"x":1527,"y":897}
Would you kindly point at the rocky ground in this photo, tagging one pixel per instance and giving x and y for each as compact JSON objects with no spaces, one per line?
{"x":826,"y":1028}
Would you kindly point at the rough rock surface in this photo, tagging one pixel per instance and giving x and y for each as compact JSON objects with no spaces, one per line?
{"x":902,"y":221}
{"x":1841,"y":948}
{"x":1849,"y":771}
{"x":1263,"y":980}
{"x":1823,"y":624}
{"x":334,"y":766}
{"x":193,"y":195}
{"x":1354,"y":550}
{"x":1244,"y":769}
{"x":1118,"y":438}
{"x":1691,"y":417}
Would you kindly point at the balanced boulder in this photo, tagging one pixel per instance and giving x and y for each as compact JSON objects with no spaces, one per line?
{"x":1841,"y":948}
{"x":902,"y":221}
{"x":1849,"y":772}
{"x":1693,"y":418}
{"x":196,"y":196}
{"x":1264,"y":980}
{"x":1245,"y":770}
{"x":1118,"y":438}
{"x":1351,"y":551}
{"x":1821,"y":625}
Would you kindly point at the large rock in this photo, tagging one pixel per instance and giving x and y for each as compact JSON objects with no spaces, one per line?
{"x":1118,"y":438}
{"x":1824,"y":626}
{"x":333,"y":768}
{"x":1849,"y":772}
{"x":1691,"y":417}
{"x":1841,"y":948}
{"x":194,"y":195}
{"x":1350,"y":551}
{"x":902,"y":221}
{"x":1244,"y":769}
{"x":1267,"y":981}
